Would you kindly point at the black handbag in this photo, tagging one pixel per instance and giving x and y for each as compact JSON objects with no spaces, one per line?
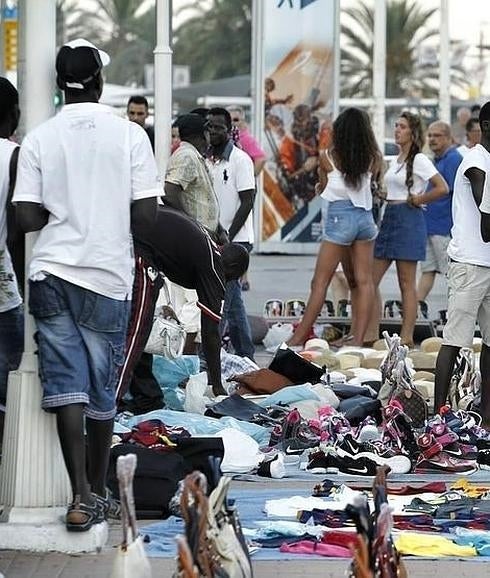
{"x":299,"y":370}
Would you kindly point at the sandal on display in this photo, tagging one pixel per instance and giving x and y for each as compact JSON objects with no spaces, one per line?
{"x":81,"y":517}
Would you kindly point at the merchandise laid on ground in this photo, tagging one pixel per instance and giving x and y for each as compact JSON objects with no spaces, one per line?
{"x":310,"y":432}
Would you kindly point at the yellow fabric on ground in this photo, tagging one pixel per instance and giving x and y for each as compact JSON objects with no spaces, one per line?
{"x":430,"y":545}
{"x":471,"y":490}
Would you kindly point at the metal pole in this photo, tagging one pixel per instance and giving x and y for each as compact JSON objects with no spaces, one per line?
{"x":444,"y":65}
{"x":379,"y":71}
{"x":257,"y":112}
{"x":36,"y":80}
{"x":163,"y":84}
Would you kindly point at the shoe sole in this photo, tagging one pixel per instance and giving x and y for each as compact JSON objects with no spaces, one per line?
{"x":484,"y":466}
{"x":397,"y":464}
{"x":442,"y":471}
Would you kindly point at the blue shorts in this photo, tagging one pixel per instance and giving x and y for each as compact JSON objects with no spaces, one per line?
{"x":402,"y":234}
{"x":343,"y":223}
{"x":81,"y":338}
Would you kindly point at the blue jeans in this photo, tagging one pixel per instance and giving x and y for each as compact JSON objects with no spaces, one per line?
{"x":235,"y":315}
{"x":81,"y":339}
{"x":11,"y":345}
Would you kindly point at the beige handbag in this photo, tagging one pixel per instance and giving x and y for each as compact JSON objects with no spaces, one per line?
{"x":131,"y":560}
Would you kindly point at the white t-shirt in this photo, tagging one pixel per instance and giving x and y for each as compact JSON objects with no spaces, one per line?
{"x":466,"y":245}
{"x":423,"y":170}
{"x":231,"y":176}
{"x":85,"y":166}
{"x":9,"y":292}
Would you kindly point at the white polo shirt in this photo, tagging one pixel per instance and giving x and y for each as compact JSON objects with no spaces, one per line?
{"x":232,"y":174}
{"x":85,"y":166}
{"x":467,"y":245}
{"x":9,"y":292}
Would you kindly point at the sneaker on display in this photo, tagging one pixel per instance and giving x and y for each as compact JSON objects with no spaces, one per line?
{"x":368,"y":430}
{"x":450,"y":440}
{"x":349,"y":447}
{"x":483,"y":459}
{"x":467,"y":425}
{"x":327,"y":461}
{"x":433,"y":459}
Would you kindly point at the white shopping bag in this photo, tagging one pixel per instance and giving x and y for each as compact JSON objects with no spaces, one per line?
{"x":277,"y":334}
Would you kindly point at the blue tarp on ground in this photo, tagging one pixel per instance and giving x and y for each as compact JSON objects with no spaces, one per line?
{"x":250,"y":504}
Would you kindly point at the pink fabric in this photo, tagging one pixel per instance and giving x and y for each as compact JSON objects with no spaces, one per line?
{"x":250,"y":145}
{"x":316,"y":548}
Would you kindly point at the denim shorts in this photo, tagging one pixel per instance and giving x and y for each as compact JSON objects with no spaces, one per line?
{"x":343,"y":223}
{"x":81,"y":339}
{"x":402,"y":234}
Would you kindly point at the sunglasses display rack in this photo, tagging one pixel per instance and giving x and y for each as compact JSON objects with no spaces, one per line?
{"x":291,"y":310}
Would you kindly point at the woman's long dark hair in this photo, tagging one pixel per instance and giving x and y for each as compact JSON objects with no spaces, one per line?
{"x":354,"y":145}
{"x":417,"y":130}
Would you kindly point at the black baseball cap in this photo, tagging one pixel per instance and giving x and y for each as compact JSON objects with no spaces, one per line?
{"x":78,"y":62}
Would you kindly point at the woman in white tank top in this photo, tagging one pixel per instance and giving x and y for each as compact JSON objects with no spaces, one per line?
{"x":347,"y":170}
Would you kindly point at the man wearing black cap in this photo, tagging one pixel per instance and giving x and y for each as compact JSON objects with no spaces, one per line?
{"x":86,"y":179}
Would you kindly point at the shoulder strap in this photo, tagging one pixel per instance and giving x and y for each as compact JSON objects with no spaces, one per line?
{"x":13,"y":172}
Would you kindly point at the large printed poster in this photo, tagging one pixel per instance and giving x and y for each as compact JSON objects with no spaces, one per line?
{"x":299,"y":97}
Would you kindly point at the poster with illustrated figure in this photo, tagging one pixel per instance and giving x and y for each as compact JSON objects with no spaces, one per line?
{"x":299,"y":101}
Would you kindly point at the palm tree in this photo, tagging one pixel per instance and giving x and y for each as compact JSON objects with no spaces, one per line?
{"x":124,"y":28}
{"x":216,"y":40}
{"x":407,"y":29}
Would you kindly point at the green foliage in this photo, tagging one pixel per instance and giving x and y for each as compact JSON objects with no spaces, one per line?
{"x":408,"y":26}
{"x":124,"y":28}
{"x":215,"y":40}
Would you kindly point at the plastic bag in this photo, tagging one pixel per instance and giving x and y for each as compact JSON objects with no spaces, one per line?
{"x":170,"y":373}
{"x":195,"y":398}
{"x":277,"y":334}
